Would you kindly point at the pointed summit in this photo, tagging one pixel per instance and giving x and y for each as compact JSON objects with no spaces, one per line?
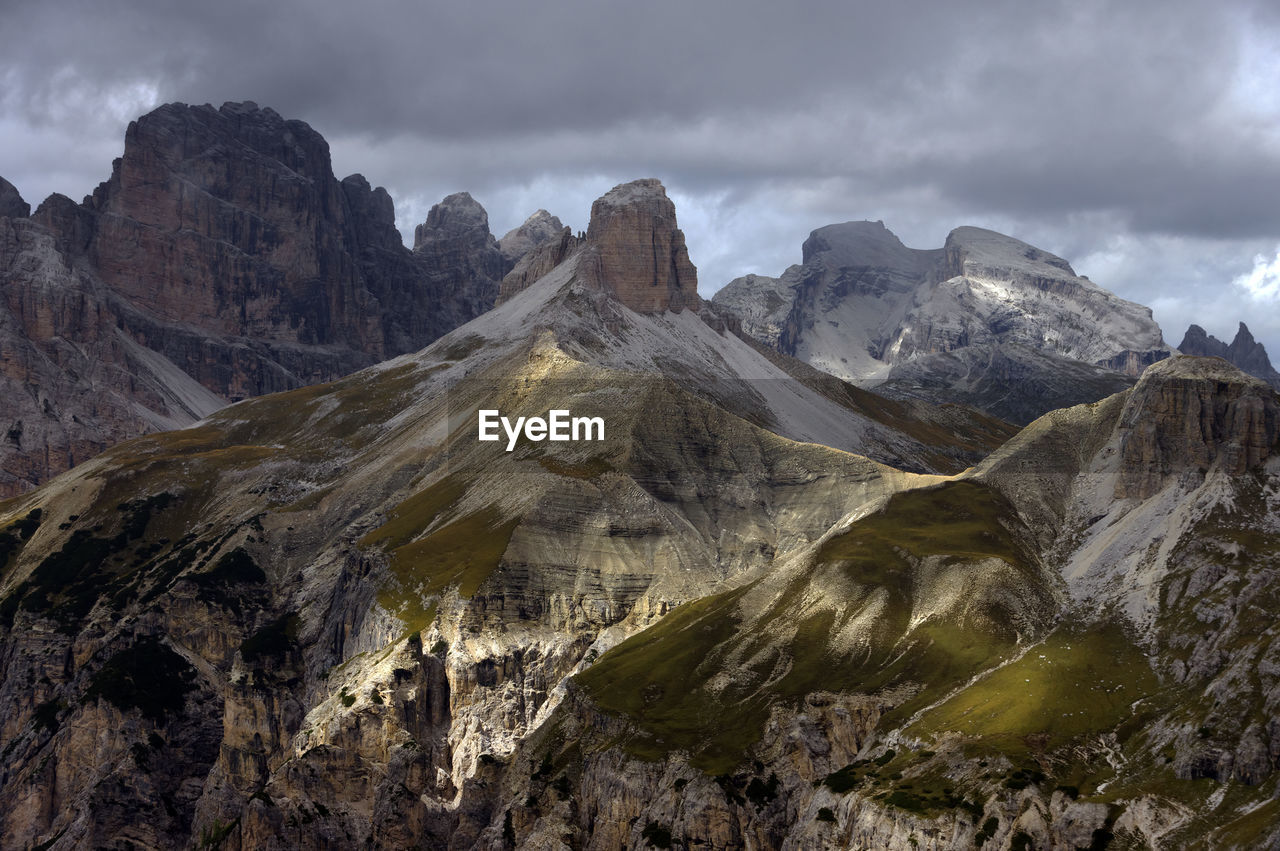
{"x":538,"y":229}
{"x":1244,"y":351}
{"x":12,"y":204}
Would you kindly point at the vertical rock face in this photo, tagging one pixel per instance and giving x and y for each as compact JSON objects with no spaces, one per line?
{"x":641,"y":256}
{"x":1188,"y":414}
{"x":222,"y":259}
{"x":1244,"y":352}
{"x":456,"y":237}
{"x":11,"y":204}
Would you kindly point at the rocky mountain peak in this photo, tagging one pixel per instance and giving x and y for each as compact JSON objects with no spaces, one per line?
{"x":1244,"y":351}
{"x":458,"y":216}
{"x":1187,"y":414}
{"x":12,"y":204}
{"x":639,"y":251}
{"x":537,"y":230}
{"x":1198,"y":342}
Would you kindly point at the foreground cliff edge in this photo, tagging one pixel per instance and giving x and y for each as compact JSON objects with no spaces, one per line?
{"x":767,"y":610}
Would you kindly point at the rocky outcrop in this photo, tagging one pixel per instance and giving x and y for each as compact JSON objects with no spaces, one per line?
{"x":1244,"y":352}
{"x":638,"y":252}
{"x":11,"y":204}
{"x":221,"y":260}
{"x":538,"y":229}
{"x":1188,"y":414}
{"x":866,"y":308}
{"x":538,"y":263}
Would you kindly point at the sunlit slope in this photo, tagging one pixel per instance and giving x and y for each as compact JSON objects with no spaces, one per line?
{"x":903,"y":604}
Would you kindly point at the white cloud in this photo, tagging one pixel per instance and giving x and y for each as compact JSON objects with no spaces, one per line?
{"x":1262,"y":284}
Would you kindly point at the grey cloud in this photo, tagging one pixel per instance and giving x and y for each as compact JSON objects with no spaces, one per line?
{"x":766,"y":119}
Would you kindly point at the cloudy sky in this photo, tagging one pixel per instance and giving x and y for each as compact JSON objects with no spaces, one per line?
{"x":1140,"y":140}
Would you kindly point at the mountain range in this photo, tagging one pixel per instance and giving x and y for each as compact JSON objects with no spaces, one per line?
{"x":768,"y":608}
{"x":221,"y":260}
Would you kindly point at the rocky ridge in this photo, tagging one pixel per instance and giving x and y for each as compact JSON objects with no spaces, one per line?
{"x":1244,"y":352}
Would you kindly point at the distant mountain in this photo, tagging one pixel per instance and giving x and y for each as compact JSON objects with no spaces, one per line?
{"x":1244,"y":352}
{"x":986,"y":320}
{"x":222,"y":259}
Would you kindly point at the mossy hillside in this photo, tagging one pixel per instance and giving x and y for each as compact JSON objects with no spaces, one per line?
{"x":431,"y":550}
{"x":1080,"y":682}
{"x":313,"y":419}
{"x":960,"y":520}
{"x":68,"y":583}
{"x":657,"y":679}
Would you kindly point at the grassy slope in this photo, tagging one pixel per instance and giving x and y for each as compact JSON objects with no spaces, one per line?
{"x":658,"y":679}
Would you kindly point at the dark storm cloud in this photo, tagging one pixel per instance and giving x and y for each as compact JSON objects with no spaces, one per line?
{"x":1078,"y":123}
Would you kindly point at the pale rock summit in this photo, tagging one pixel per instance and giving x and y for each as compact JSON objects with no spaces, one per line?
{"x":540,"y":228}
{"x":984,"y":310}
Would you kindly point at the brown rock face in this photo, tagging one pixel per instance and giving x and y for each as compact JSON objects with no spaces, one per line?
{"x":1188,"y":414}
{"x":222,"y":259}
{"x":640,"y":255}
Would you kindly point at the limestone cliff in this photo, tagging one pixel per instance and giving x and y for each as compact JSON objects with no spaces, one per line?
{"x":221,"y":260}
{"x":638,"y":253}
{"x":1189,"y":414}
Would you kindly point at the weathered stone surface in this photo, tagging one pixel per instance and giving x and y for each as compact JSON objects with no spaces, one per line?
{"x":1188,"y":414}
{"x":639,"y":254}
{"x":538,"y":229}
{"x":537,"y":263}
{"x":11,"y":203}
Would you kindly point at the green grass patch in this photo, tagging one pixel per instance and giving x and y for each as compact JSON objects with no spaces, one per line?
{"x":961,"y":520}
{"x":655,"y":680}
{"x":591,"y":468}
{"x":462,"y":552}
{"x":1075,"y":684}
